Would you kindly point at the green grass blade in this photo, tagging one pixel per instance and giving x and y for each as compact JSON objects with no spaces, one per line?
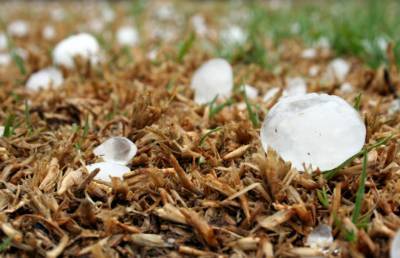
{"x":19,"y":62}
{"x":361,"y":190}
{"x":357,"y":102}
{"x":5,"y":244}
{"x":185,"y":46}
{"x":8,"y":127}
{"x":27,"y":114}
{"x":204,"y":137}
{"x":252,"y":115}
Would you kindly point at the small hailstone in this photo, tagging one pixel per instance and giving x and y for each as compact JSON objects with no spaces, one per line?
{"x":315,"y":129}
{"x":313,"y":71}
{"x":18,"y":28}
{"x":295,"y":86}
{"x":165,"y":12}
{"x":127,"y":36}
{"x":394,"y":107}
{"x":83,"y":45}
{"x":199,"y":25}
{"x":250,"y":91}
{"x":2,"y":131}
{"x":45,"y":78}
{"x":395,"y":247}
{"x":270,"y":94}
{"x":5,"y":59}
{"x":108,"y":169}
{"x":3,"y":41}
{"x":340,"y":68}
{"x":346,"y":88}
{"x":321,"y":237}
{"x":382,"y":43}
{"x":234,"y":35}
{"x":295,"y":28}
{"x":323,"y":42}
{"x":57,"y":14}
{"x":48,"y":32}
{"x":152,"y":54}
{"x":21,"y":53}
{"x":96,"y":25}
{"x":309,"y":53}
{"x":119,"y":150}
{"x":107,"y":13}
{"x":214,"y":77}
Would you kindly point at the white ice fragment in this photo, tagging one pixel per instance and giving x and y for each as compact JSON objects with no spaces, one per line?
{"x":119,"y":150}
{"x":382,"y":43}
{"x":199,"y":25}
{"x":96,"y":25}
{"x":395,"y":247}
{"x":127,"y":36}
{"x":250,"y":91}
{"x":295,"y":86}
{"x":309,"y":53}
{"x":323,"y":42}
{"x":270,"y":94}
{"x":48,"y":32}
{"x":233,"y":35}
{"x":18,"y":28}
{"x":340,"y":68}
{"x":321,"y":237}
{"x":319,"y":130}
{"x":44,"y":79}
{"x":83,"y":45}
{"x":107,"y":13}
{"x":394,"y":107}
{"x":21,"y":53}
{"x":2,"y":131}
{"x":313,"y":71}
{"x":295,"y":28}
{"x":5,"y":59}
{"x":3,"y":41}
{"x":165,"y":12}
{"x":346,"y":87}
{"x":214,"y":77}
{"x":57,"y":14}
{"x":107,"y":170}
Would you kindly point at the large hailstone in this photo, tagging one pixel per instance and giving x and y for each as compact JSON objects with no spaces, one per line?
{"x":214,"y":77}
{"x":316,"y":129}
{"x":83,"y":45}
{"x":44,"y":79}
{"x":127,"y":36}
{"x":119,"y":150}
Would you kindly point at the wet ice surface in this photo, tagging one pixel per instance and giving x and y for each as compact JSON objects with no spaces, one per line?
{"x":395,"y":248}
{"x":321,"y":237}
{"x":214,"y":77}
{"x":83,"y":45}
{"x":316,"y":129}
{"x":44,"y":79}
{"x":119,"y":150}
{"x":108,"y":169}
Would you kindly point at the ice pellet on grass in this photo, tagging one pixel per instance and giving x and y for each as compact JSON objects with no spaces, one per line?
{"x":309,"y":53}
{"x":395,"y":248}
{"x":199,"y":25}
{"x":2,"y":131}
{"x":295,"y":86}
{"x":127,"y":36}
{"x":394,"y":107}
{"x":119,"y":150}
{"x":250,"y":91}
{"x":18,"y":28}
{"x":44,"y":79}
{"x":5,"y":59}
{"x":339,"y":68}
{"x":83,"y":45}
{"x":48,"y":32}
{"x":319,"y":130}
{"x":107,"y":170}
{"x":233,"y":35}
{"x":321,"y":237}
{"x":3,"y":41}
{"x":346,"y":88}
{"x":214,"y":77}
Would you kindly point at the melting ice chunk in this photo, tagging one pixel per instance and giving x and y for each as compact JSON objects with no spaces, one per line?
{"x":127,"y":36}
{"x":321,"y":237}
{"x":214,"y":77}
{"x":315,"y":129}
{"x":108,"y":169}
{"x":295,"y":86}
{"x":83,"y":45}
{"x":119,"y":150}
{"x":45,"y":78}
{"x":250,"y":91}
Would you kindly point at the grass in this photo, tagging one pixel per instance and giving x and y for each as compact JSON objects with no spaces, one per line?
{"x":323,"y":197}
{"x":216,"y":108}
{"x":204,"y":137}
{"x":5,"y":244}
{"x":8,"y":127}
{"x":361,"y":190}
{"x":185,"y":46}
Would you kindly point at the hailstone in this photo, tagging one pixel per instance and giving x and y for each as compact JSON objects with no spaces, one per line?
{"x":45,"y":78}
{"x":18,"y":28}
{"x":320,"y":237}
{"x":3,"y":41}
{"x":119,"y":150}
{"x":108,"y":169}
{"x":395,"y":248}
{"x":2,"y":128}
{"x":48,"y":32}
{"x":251,"y":92}
{"x":214,"y":77}
{"x":339,"y":68}
{"x":233,"y":35}
{"x":127,"y":36}
{"x":83,"y":45}
{"x":5,"y":59}
{"x":295,"y":86}
{"x":319,"y":130}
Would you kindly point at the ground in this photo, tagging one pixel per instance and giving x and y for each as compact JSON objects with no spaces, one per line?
{"x":201,"y":183}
